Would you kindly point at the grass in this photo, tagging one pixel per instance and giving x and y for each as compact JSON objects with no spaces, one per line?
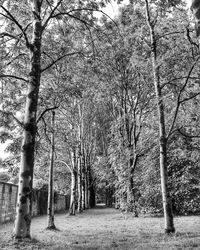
{"x":106,"y":229}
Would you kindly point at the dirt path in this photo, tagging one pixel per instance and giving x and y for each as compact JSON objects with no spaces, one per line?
{"x":107,"y":229}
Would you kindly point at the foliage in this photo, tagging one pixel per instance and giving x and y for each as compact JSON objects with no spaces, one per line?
{"x":97,"y":77}
{"x":184,"y":176}
{"x":4,"y":177}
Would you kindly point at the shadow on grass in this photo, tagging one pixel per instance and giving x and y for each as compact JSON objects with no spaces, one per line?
{"x":24,"y":244}
{"x":187,"y":235}
{"x":26,"y":240}
{"x":54,"y":229}
{"x":178,"y":235}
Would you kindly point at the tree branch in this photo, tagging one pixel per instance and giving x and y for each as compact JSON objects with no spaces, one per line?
{"x":15,"y":77}
{"x":12,"y":18}
{"x":178,"y":78}
{"x":179,"y":97}
{"x":46,"y":110}
{"x":51,"y":15}
{"x":82,"y":9}
{"x":3,"y":34}
{"x":63,"y":162}
{"x":186,"y":135}
{"x":189,"y":98}
{"x":170,"y":33}
{"x":58,"y":59}
{"x":15,"y":58}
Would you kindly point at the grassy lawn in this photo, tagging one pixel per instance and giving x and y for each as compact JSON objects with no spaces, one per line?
{"x":106,"y":228}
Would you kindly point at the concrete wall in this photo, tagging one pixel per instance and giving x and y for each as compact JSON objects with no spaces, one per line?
{"x":8,"y":201}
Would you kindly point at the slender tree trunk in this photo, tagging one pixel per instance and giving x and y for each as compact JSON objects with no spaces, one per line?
{"x":79,"y":182}
{"x":80,"y":160}
{"x":195,"y":7}
{"x":83,"y":185}
{"x":133,"y":163}
{"x":131,"y":198}
{"x":89,"y":183}
{"x":92,"y":197}
{"x":24,"y":202}
{"x":129,"y":195}
{"x":86,"y":187}
{"x":50,"y":207}
{"x":108,"y":197}
{"x":72,"y":209}
{"x":168,"y":215}
{"x":130,"y":182}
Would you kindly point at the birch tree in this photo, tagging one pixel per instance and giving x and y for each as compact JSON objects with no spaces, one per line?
{"x":169,"y":224}
{"x":24,"y":203}
{"x":50,"y":204}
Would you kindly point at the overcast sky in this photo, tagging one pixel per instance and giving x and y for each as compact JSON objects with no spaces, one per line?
{"x":112,"y":8}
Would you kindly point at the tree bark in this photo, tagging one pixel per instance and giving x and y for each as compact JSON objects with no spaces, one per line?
{"x":92,"y":196}
{"x":131,"y":197}
{"x":24,"y":202}
{"x":88,"y":183}
{"x":72,"y":209}
{"x":80,"y":161}
{"x":167,"y":207}
{"x":83,"y":185}
{"x":50,"y":207}
{"x":79,"y":209}
{"x":195,"y":7}
{"x":86,"y":187}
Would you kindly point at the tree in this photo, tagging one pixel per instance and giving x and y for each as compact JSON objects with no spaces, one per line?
{"x":195,"y":7}
{"x":50,"y":206}
{"x":24,"y":203}
{"x":169,"y":224}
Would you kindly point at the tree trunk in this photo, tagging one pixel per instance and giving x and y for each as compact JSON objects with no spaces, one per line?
{"x":50,"y":207}
{"x":24,"y":202}
{"x":86,"y":187}
{"x":168,"y":215}
{"x":109,"y":194}
{"x":79,"y":209}
{"x":92,"y":196}
{"x":129,"y":195}
{"x":195,"y":7}
{"x":131,"y":198}
{"x":72,"y":208}
{"x":83,"y":186}
{"x":80,"y":160}
{"x":88,"y":184}
{"x":130,"y":180}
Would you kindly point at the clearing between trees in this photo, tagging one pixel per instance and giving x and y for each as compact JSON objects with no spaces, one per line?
{"x":105,"y":228}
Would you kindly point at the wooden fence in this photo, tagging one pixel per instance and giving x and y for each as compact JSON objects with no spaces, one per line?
{"x":8,"y":201}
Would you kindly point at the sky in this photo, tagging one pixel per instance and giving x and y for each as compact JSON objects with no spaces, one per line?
{"x":112,"y":8}
{"x":3,"y":154}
